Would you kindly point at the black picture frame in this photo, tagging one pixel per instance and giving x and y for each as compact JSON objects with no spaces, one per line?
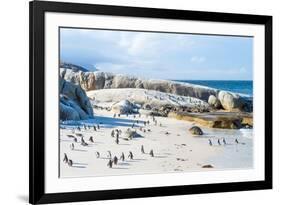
{"x":37,"y":10}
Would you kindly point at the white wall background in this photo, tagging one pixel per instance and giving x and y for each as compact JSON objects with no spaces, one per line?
{"x":14,"y":44}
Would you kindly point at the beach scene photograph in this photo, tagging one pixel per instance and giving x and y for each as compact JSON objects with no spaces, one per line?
{"x":139,"y":102}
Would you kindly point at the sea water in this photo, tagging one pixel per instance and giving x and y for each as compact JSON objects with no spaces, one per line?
{"x":236,"y":86}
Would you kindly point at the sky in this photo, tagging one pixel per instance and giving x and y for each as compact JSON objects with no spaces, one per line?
{"x":159,"y":55}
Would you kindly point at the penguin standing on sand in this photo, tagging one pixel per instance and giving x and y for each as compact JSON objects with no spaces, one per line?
{"x":151,"y":153}
{"x":117,"y":140}
{"x":236,"y":141}
{"x":97,"y":154}
{"x":115,"y":160}
{"x":122,"y":156}
{"x":65,"y":158}
{"x":210,"y":143}
{"x":78,"y":128}
{"x":75,"y":139}
{"x":109,"y":164}
{"x":112,"y":133}
{"x":91,"y":139}
{"x":98,"y":125}
{"x":219,"y":143}
{"x":130,"y":156}
{"x":72,"y":146}
{"x":95,"y":128}
{"x":70,"y":163}
{"x":82,"y":140}
{"x":142,"y":149}
{"x":224,"y":141}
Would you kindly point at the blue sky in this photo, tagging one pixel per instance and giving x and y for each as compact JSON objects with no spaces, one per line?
{"x":159,"y":55}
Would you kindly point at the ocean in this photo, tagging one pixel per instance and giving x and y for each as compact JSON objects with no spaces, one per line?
{"x":236,"y":86}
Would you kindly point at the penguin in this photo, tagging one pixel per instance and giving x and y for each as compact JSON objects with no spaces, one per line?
{"x":114,"y":115}
{"x":219,"y":143}
{"x":142,"y":149}
{"x":109,"y":154}
{"x":109,"y":164}
{"x":130,"y":156}
{"x":144,"y":123}
{"x":115,"y":160}
{"x":70,"y":136}
{"x":84,"y":144}
{"x":72,"y":146}
{"x":122,"y":156}
{"x":151,"y":153}
{"x":70,"y":163}
{"x":117,"y":140}
{"x":95,"y":128}
{"x":210,"y":143}
{"x":160,"y":124}
{"x":98,"y":126}
{"x":91,"y":139}
{"x":119,"y":115}
{"x":148,"y":122}
{"x":65,"y":158}
{"x":97,"y":154}
{"x":133,"y":125}
{"x":78,"y":134}
{"x":84,"y":126}
{"x":236,"y":141}
{"x":82,"y":140}
{"x":137,"y":121}
{"x":149,"y":130}
{"x":78,"y":128}
{"x":75,"y":139}
{"x":224,"y":141}
{"x":112,"y":133}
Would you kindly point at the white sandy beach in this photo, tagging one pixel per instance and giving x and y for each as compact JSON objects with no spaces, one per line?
{"x":175,"y":151}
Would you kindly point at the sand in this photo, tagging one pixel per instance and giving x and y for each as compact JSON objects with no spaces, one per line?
{"x":175,"y":151}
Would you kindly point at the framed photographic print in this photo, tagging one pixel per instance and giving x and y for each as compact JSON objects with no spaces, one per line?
{"x":140,"y":102}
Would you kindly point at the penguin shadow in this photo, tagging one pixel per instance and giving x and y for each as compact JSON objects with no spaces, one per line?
{"x":79,"y":165}
{"x":137,"y":160}
{"x":159,"y":156}
{"x":119,"y":168}
{"x":124,"y":164}
{"x":80,"y":150}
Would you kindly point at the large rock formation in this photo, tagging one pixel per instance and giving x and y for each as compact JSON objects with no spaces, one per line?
{"x":214,"y":101}
{"x":123,"y":107}
{"x":230,"y":101}
{"x":103,"y":80}
{"x":74,"y":103}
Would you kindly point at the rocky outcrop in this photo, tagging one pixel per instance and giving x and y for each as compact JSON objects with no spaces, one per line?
{"x":195,"y":130}
{"x":230,"y":101}
{"x":214,"y":102}
{"x":74,"y":103}
{"x":84,"y":79}
{"x":123,"y":107}
{"x":224,"y":120}
{"x":74,"y":68}
{"x":102,"y":80}
{"x":156,"y":102}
